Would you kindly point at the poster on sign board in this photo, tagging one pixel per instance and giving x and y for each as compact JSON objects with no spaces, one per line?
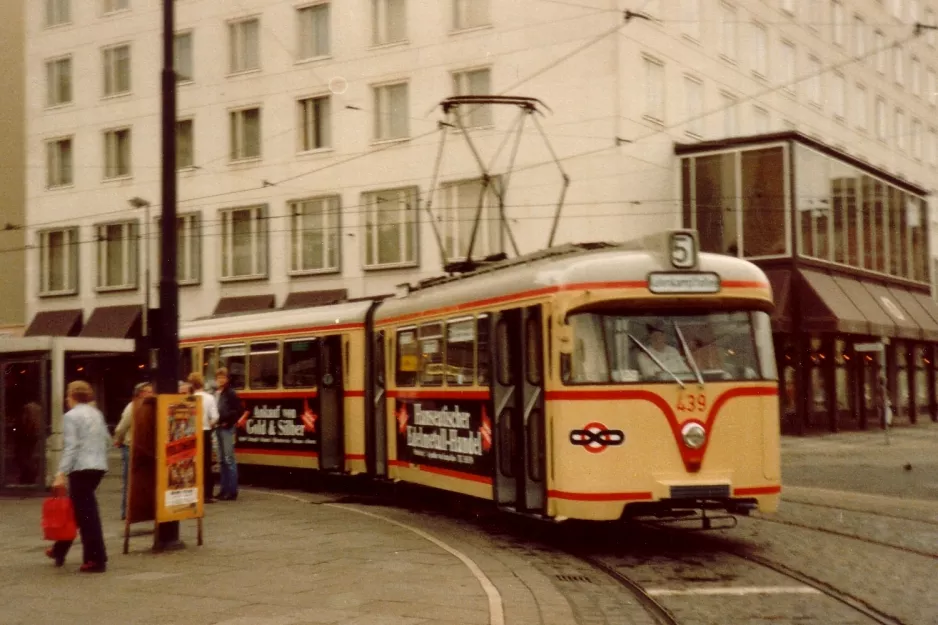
{"x":179,"y":440}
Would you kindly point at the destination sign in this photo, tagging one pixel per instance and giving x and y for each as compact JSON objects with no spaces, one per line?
{"x":664,"y":283}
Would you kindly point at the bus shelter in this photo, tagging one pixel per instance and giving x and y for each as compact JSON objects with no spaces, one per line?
{"x":32,"y":402}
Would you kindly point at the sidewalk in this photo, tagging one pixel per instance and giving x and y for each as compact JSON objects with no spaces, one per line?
{"x":268,"y":559}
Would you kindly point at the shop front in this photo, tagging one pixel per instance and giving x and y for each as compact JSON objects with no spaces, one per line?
{"x":844,"y":246}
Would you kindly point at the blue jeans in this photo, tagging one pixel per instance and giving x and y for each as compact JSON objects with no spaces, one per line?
{"x":228,"y":468}
{"x":125,"y":466}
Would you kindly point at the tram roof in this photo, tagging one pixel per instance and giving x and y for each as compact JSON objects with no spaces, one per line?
{"x":312,"y":318}
{"x":553,"y":269}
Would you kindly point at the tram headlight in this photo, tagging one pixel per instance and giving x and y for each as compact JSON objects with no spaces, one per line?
{"x":694,"y":435}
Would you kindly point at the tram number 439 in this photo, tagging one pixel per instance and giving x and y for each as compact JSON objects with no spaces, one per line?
{"x":691,"y":402}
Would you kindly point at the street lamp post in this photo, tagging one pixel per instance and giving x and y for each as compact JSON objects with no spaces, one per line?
{"x":167,"y":380}
{"x":137,"y":202}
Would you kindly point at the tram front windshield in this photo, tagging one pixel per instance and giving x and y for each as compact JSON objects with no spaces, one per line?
{"x":617,"y":348}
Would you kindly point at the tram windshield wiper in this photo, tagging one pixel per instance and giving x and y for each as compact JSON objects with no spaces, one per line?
{"x":655,"y":360}
{"x":690,"y":357}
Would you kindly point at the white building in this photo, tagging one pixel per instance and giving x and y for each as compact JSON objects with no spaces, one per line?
{"x":308,"y":130}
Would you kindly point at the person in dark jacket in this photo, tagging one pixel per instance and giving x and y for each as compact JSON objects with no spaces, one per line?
{"x":229,"y":412}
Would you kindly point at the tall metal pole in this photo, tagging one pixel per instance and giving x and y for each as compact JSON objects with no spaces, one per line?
{"x":146,"y":273}
{"x":167,"y":380}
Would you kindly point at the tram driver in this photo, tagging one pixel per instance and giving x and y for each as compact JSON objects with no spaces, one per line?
{"x":667,"y":355}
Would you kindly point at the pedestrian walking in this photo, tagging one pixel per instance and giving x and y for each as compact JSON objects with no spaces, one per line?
{"x":229,"y":411}
{"x":209,"y":423}
{"x":83,"y":464}
{"x":123,"y":437}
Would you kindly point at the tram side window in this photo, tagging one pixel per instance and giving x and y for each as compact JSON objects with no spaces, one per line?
{"x":300,"y":363}
{"x":265,"y":365}
{"x":460,"y":352}
{"x":234,"y":358}
{"x":407,"y":357}
{"x":209,"y":366}
{"x":185,"y":362}
{"x":482,"y":332}
{"x":431,"y":354}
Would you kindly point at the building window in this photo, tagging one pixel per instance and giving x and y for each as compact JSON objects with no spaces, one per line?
{"x":730,"y":115}
{"x":897,"y":9}
{"x":116,"y":69}
{"x":314,"y":232}
{"x":859,"y":35}
{"x":862,"y":106}
{"x":760,"y":120}
{"x":932,"y":87}
{"x":930,"y":19}
{"x":59,"y":163}
{"x":117,"y":245}
{"x":314,"y":30}
{"x":837,"y":22}
{"x":879,"y":44}
{"x":839,"y":95}
{"x":916,"y":77}
{"x":470,"y":14}
{"x":459,"y":203}
{"x":391,"y":112}
{"x":690,"y":18}
{"x":182,"y":57}
{"x":694,"y":95}
{"x":788,"y":6}
{"x":760,"y":50}
{"x":185,"y":146}
{"x":899,"y":65}
{"x":787,"y":66}
{"x":315,"y":123}
{"x":814,"y":81}
{"x":188,"y":248}
{"x":917,"y":139}
{"x":58,"y":261}
{"x":388,"y":21}
{"x":932,"y":147}
{"x":59,"y":81}
{"x":58,"y":12}
{"x":245,"y":134}
{"x":654,"y":89}
{"x":117,"y":153}
{"x":244,"y":45}
{"x":390,"y":227}
{"x":244,"y":242}
{"x":881,"y":119}
{"x":475,"y":82}
{"x":900,"y":130}
{"x":728,"y":37}
{"x":113,"y":6}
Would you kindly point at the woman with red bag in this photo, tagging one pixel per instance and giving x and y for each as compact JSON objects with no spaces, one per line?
{"x":84,"y":461}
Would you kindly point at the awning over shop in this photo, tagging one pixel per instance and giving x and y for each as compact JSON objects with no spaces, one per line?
{"x":780,"y":281}
{"x":247,"y":303}
{"x":927,"y":303}
{"x":910,"y":302}
{"x":825,"y":307}
{"x":113,"y":322}
{"x":306,"y":299}
{"x":55,"y":323}
{"x":881,"y":324}
{"x":906,"y":328}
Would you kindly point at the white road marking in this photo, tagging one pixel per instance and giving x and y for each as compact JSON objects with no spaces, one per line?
{"x":496,"y":610}
{"x":735,"y":590}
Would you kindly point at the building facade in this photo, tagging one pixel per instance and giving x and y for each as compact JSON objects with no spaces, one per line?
{"x":308,"y":135}
{"x":12,"y":171}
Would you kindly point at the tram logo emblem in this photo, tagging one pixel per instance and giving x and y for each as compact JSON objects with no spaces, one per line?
{"x":595,"y":437}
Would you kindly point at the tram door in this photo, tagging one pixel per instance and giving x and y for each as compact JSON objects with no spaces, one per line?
{"x":518,"y":397}
{"x":376,"y":414}
{"x":331,"y":405}
{"x":23,"y":422}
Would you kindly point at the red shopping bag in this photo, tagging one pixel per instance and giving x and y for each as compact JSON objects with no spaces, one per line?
{"x":58,"y":517}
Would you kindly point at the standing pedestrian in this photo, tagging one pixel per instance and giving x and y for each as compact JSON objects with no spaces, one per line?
{"x":209,"y":422}
{"x":123,"y":436}
{"x":84,"y":463}
{"x":229,"y":411}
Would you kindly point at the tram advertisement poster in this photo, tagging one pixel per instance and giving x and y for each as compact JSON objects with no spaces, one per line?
{"x":280,"y":423}
{"x":179,"y":443}
{"x":448,"y":434}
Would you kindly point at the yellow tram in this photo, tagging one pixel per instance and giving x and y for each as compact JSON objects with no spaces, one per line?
{"x":589,"y":381}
